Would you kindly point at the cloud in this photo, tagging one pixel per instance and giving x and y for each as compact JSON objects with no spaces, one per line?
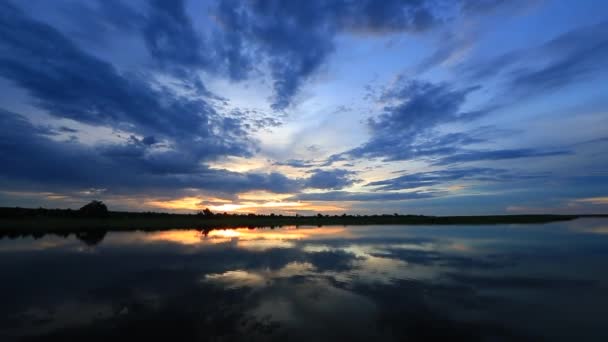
{"x":441,"y":177}
{"x":593,"y":200}
{"x":330,"y":179}
{"x":363,"y":196}
{"x":239,"y":39}
{"x":412,"y":110}
{"x":170,"y":36}
{"x":31,"y":159}
{"x":69,"y":83}
{"x":295,"y":38}
{"x":407,"y":128}
{"x":298,"y":163}
{"x":569,"y":58}
{"x":473,"y":156}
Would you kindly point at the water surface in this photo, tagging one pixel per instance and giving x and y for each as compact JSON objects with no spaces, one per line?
{"x":358,"y":283}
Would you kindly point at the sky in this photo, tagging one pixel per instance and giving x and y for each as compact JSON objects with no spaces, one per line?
{"x":436,"y":107}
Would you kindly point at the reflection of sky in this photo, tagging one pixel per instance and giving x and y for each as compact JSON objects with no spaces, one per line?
{"x":365,"y":282}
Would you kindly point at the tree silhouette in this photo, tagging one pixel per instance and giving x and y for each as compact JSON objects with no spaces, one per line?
{"x":94,"y":209}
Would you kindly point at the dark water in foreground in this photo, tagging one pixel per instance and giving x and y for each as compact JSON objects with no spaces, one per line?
{"x":368,"y":283}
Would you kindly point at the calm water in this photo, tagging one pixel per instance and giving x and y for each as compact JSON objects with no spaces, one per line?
{"x":495,"y":283}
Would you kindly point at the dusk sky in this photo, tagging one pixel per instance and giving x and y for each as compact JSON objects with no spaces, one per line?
{"x":335,"y":106}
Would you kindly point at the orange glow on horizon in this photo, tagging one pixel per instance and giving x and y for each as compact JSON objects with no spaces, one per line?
{"x":186,"y":203}
{"x":199,"y":203}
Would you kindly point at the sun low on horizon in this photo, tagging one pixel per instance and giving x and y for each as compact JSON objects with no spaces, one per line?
{"x":436,"y":107}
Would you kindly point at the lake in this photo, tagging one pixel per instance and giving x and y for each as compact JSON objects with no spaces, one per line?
{"x":330,"y":283}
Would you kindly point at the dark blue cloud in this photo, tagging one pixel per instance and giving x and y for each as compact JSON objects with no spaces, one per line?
{"x":330,"y":179}
{"x":31,"y":159}
{"x":472,"y":156}
{"x":298,"y":163}
{"x":69,"y":83}
{"x":170,"y":36}
{"x":443,"y":177}
{"x":292,"y":39}
{"x":64,"y":129}
{"x":296,"y":37}
{"x":413,"y":109}
{"x":363,"y":196}
{"x":406,"y":128}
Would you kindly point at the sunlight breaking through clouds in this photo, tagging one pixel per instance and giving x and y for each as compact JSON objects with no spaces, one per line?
{"x":246,"y":206}
{"x":243,"y":107}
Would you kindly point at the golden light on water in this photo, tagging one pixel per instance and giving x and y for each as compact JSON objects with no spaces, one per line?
{"x":285,"y":233}
{"x":245,"y":237}
{"x":184,"y":237}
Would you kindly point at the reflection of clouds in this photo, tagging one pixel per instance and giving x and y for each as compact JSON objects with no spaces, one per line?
{"x":236,"y":279}
{"x":241,"y":278}
{"x":39,"y":320}
{"x":459,"y":246}
{"x":31,"y":244}
{"x":252,"y":239}
{"x":598,"y":230}
{"x":374,"y":269}
{"x":315,"y":309}
{"x":352,"y":263}
{"x":415,"y":246}
{"x":296,"y":268}
{"x":589,"y":225}
{"x":262,"y":245}
{"x":185,"y":237}
{"x":311,"y":280}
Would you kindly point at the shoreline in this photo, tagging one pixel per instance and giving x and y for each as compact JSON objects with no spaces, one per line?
{"x":116,"y":221}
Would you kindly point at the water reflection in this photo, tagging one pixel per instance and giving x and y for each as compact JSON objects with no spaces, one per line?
{"x":502,"y":282}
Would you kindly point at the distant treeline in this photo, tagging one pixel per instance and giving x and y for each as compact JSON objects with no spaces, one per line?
{"x":91,"y":222}
{"x":95,"y":216}
{"x":97,"y":209}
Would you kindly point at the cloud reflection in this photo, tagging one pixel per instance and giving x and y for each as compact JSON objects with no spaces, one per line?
{"x":311,"y":283}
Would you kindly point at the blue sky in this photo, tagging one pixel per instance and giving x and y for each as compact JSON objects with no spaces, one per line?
{"x":419,"y":106}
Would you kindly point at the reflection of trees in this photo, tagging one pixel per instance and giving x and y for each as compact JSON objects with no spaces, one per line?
{"x":185,"y":313}
{"x":91,"y":238}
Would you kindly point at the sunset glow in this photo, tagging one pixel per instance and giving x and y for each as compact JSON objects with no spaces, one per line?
{"x":305,"y":107}
{"x":200,"y":203}
{"x":303,"y":170}
{"x":245,"y":236}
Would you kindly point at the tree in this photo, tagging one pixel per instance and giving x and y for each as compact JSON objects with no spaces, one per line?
{"x":207,"y":212}
{"x":94,"y":209}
